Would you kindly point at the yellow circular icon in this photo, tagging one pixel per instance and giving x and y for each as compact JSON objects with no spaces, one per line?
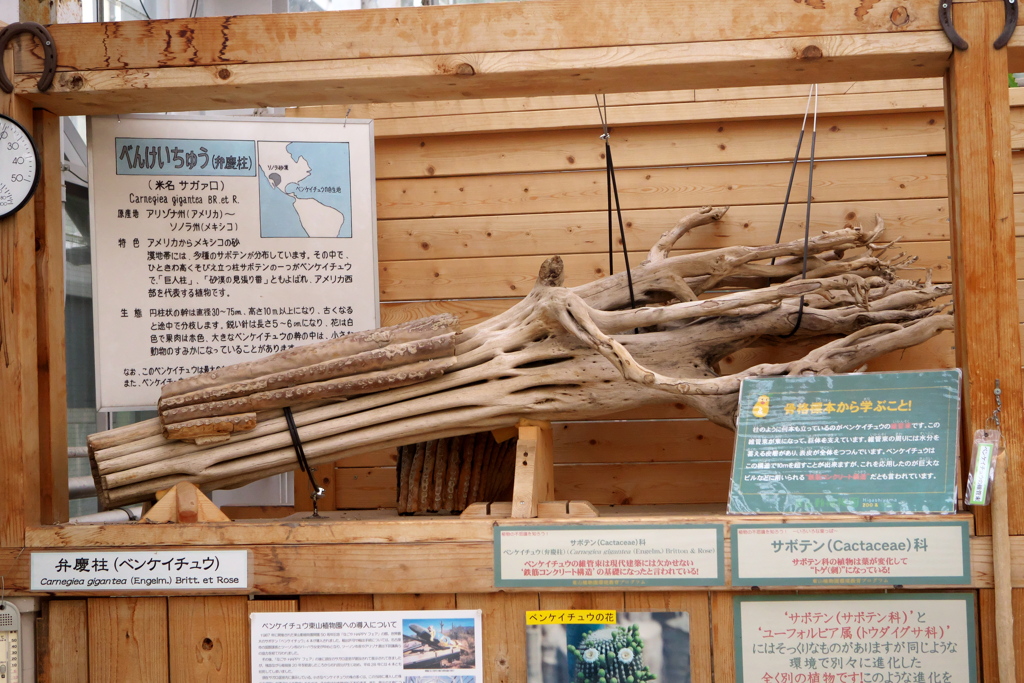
{"x":760,"y":408}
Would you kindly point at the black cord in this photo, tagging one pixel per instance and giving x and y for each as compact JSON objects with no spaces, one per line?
{"x":789,"y":188}
{"x":300,"y":453}
{"x":807,"y":218}
{"x":622,"y":229}
{"x":613,"y":188}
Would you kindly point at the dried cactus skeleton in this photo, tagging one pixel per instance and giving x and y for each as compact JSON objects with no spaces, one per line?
{"x":559,"y":353}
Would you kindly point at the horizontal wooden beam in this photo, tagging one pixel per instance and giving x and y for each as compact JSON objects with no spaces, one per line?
{"x":628,"y":68}
{"x":584,"y":116}
{"x":893,"y":133}
{"x":617,"y":102}
{"x":386,"y":527}
{"x":418,"y":567}
{"x":501,"y":27}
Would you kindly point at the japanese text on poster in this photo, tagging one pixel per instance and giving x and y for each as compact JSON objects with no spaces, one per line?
{"x":837,"y":554}
{"x":366,"y":647}
{"x":866,"y":443}
{"x":163,"y":570}
{"x":662,"y":555}
{"x":219,"y":240}
{"x":923,"y":638}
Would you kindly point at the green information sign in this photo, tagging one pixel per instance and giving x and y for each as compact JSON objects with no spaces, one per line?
{"x":868,"y":443}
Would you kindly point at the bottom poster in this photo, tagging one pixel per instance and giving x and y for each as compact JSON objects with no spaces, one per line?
{"x":638,"y":646}
{"x":430,"y":646}
{"x":896,"y":638}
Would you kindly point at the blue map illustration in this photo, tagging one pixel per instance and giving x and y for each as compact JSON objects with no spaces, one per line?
{"x":305,"y":189}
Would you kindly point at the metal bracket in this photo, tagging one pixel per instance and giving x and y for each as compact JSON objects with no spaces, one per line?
{"x":946,"y":22}
{"x":49,"y":53}
{"x":1010,"y":7}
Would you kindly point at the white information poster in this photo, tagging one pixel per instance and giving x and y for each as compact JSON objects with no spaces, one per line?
{"x":432,"y":646}
{"x":218,"y":240}
{"x":868,"y":639}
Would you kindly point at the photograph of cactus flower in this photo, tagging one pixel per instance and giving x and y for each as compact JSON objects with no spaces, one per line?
{"x":639,"y":647}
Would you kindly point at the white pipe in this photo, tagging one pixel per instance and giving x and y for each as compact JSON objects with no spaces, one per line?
{"x":115,"y":516}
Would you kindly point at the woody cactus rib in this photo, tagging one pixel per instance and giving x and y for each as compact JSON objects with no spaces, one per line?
{"x":559,"y":353}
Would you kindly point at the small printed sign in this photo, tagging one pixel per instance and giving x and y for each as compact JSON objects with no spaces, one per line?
{"x":902,"y":637}
{"x":864,"y":443}
{"x":599,"y":556}
{"x":570,"y":616}
{"x":163,"y":570}
{"x":932,"y":553}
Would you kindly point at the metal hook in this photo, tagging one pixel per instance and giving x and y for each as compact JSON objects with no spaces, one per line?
{"x":946,"y":22}
{"x":49,"y":53}
{"x":344,"y":124}
{"x":994,"y":417}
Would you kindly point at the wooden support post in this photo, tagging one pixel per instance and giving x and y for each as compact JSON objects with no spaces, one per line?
{"x":50,"y":345}
{"x":534,"y":484}
{"x":184,"y":503}
{"x":982,"y":235}
{"x":1001,"y":566}
{"x":51,"y":11}
{"x":984,"y":260}
{"x":535,"y":468}
{"x":19,"y":381}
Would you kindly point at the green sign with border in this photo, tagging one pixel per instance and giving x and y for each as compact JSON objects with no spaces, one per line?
{"x":863,"y":443}
{"x":869,"y":638}
{"x":856,"y":554}
{"x":587,"y":556}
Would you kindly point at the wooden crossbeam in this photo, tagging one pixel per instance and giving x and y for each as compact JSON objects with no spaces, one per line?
{"x":494,"y":74}
{"x":433,"y":31}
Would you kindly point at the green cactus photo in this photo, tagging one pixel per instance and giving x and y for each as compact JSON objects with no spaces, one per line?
{"x":610,"y":656}
{"x":638,"y":647}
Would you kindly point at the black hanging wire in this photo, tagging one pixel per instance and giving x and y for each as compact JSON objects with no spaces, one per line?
{"x":792,"y":169}
{"x":613,"y":189}
{"x":807,"y":218}
{"x":300,"y":455}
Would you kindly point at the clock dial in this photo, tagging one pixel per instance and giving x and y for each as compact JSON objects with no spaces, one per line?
{"x":19,"y":166}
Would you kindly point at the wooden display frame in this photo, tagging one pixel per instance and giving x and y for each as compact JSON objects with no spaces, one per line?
{"x":546,"y":47}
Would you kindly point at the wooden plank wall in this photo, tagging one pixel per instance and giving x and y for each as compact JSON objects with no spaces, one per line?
{"x":111,"y":640}
{"x":474,"y":195}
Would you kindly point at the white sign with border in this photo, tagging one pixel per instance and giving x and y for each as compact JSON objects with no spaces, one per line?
{"x":869,"y":553}
{"x":900,"y":637}
{"x":367,"y":647}
{"x":162,"y":570}
{"x":597,"y":556}
{"x":217,"y":240}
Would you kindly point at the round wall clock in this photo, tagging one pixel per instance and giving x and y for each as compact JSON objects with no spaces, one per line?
{"x":19,"y":166}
